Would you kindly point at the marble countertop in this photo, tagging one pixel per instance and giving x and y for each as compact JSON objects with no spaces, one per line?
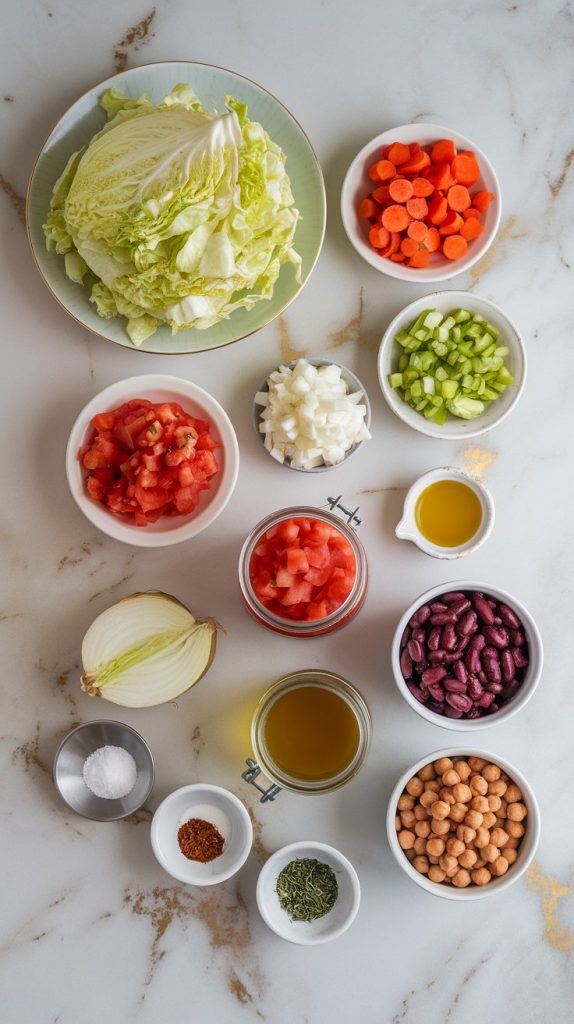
{"x":92,"y":928}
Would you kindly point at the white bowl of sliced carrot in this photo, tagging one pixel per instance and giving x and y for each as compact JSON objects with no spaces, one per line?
{"x":421,"y":203}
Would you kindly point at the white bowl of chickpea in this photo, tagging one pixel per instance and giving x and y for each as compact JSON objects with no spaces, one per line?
{"x":463,"y":825}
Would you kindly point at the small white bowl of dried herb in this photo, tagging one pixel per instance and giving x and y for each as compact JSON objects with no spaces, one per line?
{"x":308,"y":893}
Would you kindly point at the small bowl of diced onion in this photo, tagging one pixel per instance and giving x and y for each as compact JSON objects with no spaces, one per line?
{"x":312,"y":415}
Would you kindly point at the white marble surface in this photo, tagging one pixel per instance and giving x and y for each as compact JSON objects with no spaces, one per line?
{"x":92,"y":928}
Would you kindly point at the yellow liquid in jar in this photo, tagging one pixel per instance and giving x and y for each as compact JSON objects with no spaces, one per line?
{"x":448,"y":513}
{"x":311,"y":733}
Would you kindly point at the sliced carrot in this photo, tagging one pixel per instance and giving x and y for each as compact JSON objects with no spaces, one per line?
{"x":400,"y":190}
{"x":373,"y":173}
{"x":471,"y":228}
{"x":422,"y":188}
{"x":386,"y":170}
{"x":398,"y":257}
{"x":482,"y":200}
{"x":399,"y":153}
{"x":396,"y":218}
{"x":409,"y":246}
{"x":440,"y":176}
{"x":367,"y":208}
{"x":379,"y":237}
{"x":381,"y":194}
{"x":395,"y":241}
{"x":418,"y":208}
{"x":443,"y":150}
{"x":465,"y":168}
{"x":452,"y":223}
{"x":432,"y":240}
{"x":385,"y":152}
{"x":458,"y":198}
{"x":417,"y":163}
{"x":415,"y":147}
{"x":419,"y":259}
{"x":471,"y":212}
{"x":438,"y":209}
{"x":454,"y":247}
{"x":417,"y":230}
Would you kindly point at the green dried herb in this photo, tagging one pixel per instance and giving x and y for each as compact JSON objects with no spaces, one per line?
{"x":307,"y":889}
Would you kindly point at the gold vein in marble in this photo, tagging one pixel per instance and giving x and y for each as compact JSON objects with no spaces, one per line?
{"x":507,"y":233}
{"x":135,"y":37}
{"x":352,"y":331}
{"x":288,"y":350}
{"x":18,"y":201}
{"x":557,"y":185}
{"x":551,"y":892}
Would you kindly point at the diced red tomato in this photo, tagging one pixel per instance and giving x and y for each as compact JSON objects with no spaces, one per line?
{"x":302,"y":569}
{"x":146,"y":460}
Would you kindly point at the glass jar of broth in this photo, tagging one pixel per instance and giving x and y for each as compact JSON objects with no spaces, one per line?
{"x":311,"y":731}
{"x":303,"y":572}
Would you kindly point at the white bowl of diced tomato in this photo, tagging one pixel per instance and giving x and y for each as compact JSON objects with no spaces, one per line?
{"x":152,"y":460}
{"x":421,"y":203}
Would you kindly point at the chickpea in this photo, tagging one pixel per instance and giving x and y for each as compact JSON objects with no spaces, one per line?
{"x":497,"y":788}
{"x":421,"y":864}
{"x":455,"y":847}
{"x":408,"y":818}
{"x":420,"y":846}
{"x":450,"y":777}
{"x":410,"y":854}
{"x":509,"y":854}
{"x":415,"y":786}
{"x":405,"y":803}
{"x":477,"y":763}
{"x":491,"y":773}
{"x":448,"y":862}
{"x":490,"y":853}
{"x":442,"y":765}
{"x":440,"y":826}
{"x":461,"y":879}
{"x":462,"y":793}
{"x":435,"y":846}
{"x":428,"y":798}
{"x":513,"y":843}
{"x":421,"y":813}
{"x":480,"y":862}
{"x":463,"y":769}
{"x":478,"y":785}
{"x":478,"y":803}
{"x":503,"y":808}
{"x":500,"y":866}
{"x":482,"y":838}
{"x":422,"y":829}
{"x":434,"y":785}
{"x":466,"y":834}
{"x":440,"y":809}
{"x":468,"y":859}
{"x":446,"y":796}
{"x":489,"y":820}
{"x":481,"y":876}
{"x":457,"y":813}
{"x":474,"y":819}
{"x":406,"y":839}
{"x":398,"y":823}
{"x":436,"y":874}
{"x":498,"y":837}
{"x":515,"y":829}
{"x":494,"y":803}
{"x":427,"y":772}
{"x":516,"y":811}
{"x":432,"y":860}
{"x":513,"y":793}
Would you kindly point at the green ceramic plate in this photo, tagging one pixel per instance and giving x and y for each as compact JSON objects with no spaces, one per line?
{"x":85,"y":117}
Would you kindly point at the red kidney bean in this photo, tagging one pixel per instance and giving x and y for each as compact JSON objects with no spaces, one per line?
{"x":508,"y":666}
{"x":414,"y":647}
{"x":405,"y":637}
{"x":416,"y":692}
{"x":459,"y":701}
{"x":518,"y":638}
{"x":492,"y":669}
{"x":489,"y":652}
{"x":442,"y":618}
{"x":422,"y":615}
{"x":460,"y":672}
{"x":453,"y":713}
{"x":462,"y":645}
{"x":418,"y":634}
{"x":475,"y":690}
{"x":437,"y":693}
{"x":460,"y":606}
{"x":434,"y":674}
{"x":451,"y":657}
{"x":406,"y":664}
{"x":483,"y":609}
{"x":482,"y":677}
{"x":495,"y":687}
{"x":438,"y":606}
{"x":472,"y":660}
{"x":520,"y":659}
{"x":449,"y":638}
{"x":509,"y":617}
{"x":485,"y":700}
{"x":433,"y":642}
{"x":435,"y":656}
{"x":474,"y":712}
{"x":497,"y":635}
{"x":467,"y":624}
{"x":452,"y":596}
{"x":454,"y":685}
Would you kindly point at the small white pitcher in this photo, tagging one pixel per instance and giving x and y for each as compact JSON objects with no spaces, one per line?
{"x":407,"y":529}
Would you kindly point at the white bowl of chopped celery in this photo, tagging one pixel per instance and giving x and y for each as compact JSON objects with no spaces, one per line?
{"x":452,"y":365}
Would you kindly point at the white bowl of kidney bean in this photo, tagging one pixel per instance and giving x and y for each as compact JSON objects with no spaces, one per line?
{"x":467,"y":655}
{"x":463,"y":825}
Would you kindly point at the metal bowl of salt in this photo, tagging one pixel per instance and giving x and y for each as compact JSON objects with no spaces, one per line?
{"x":71,"y":758}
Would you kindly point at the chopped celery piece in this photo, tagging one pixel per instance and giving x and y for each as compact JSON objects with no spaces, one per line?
{"x":448,"y":322}
{"x":490,"y":395}
{"x":432,"y":319}
{"x":466,"y":408}
{"x":452,"y":358}
{"x":422,"y":404}
{"x":440,"y":415}
{"x":449,"y":388}
{"x":403,"y":362}
{"x":416,"y":389}
{"x":460,"y":315}
{"x":428,"y":385}
{"x":396,"y":380}
{"x":492,"y":330}
{"x":402,"y":337}
{"x":440,"y":373}
{"x":421,"y":335}
{"x":478,"y":319}
{"x":501,"y":351}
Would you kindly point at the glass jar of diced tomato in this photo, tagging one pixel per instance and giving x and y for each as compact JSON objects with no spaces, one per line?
{"x":303,"y":572}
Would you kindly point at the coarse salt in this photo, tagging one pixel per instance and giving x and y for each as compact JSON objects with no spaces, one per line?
{"x":110,"y":772}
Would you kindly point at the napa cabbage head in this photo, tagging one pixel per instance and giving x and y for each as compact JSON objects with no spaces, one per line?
{"x":173,"y":214}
